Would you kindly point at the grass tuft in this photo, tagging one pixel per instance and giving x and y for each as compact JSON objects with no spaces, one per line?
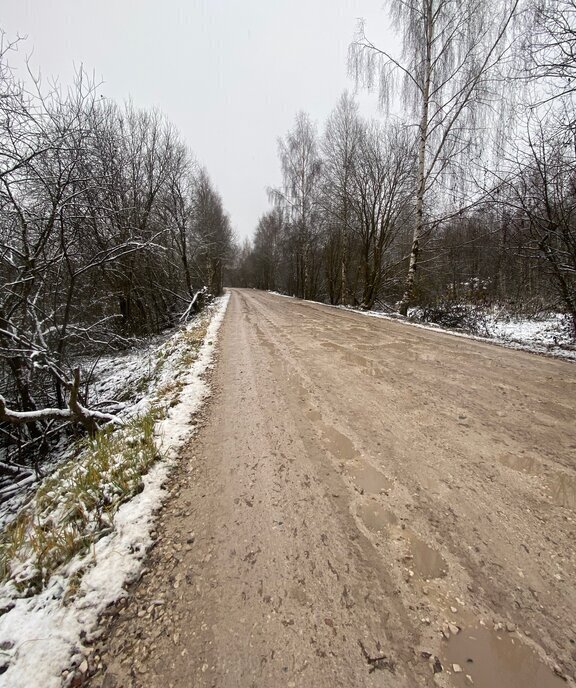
{"x":76,"y":505}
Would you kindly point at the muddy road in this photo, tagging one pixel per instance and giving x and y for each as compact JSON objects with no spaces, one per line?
{"x":366,"y":501}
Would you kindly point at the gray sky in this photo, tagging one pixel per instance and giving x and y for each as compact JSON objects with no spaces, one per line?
{"x":230,"y":74}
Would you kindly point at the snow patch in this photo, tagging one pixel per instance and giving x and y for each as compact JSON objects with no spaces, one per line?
{"x":41,"y":636}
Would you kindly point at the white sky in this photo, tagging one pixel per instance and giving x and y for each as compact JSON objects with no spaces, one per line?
{"x":230,"y":74}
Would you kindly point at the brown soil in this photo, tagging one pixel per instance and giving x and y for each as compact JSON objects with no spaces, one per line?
{"x":364,"y":502}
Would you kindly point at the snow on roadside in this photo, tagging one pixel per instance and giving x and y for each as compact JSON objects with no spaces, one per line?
{"x":41,"y":637}
{"x":535,"y":336}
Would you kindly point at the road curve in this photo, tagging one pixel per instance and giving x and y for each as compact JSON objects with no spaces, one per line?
{"x":363,"y":493}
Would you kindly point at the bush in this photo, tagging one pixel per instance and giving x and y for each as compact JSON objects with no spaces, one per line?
{"x":470,"y":319}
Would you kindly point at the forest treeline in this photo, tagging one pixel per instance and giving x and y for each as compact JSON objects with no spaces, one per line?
{"x":462,"y":193}
{"x":108,"y":231}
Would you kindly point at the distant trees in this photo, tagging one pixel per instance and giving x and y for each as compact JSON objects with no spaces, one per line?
{"x":340,"y":150}
{"x":336,"y":221}
{"x":299,"y":200}
{"x":107,"y":229}
{"x":464,"y":194}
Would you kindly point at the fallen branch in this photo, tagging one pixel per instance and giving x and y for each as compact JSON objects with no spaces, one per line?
{"x":198,"y":297}
{"x":74,"y":413}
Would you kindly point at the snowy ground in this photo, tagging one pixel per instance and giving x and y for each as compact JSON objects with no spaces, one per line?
{"x":549,"y":331}
{"x":116,"y":382}
{"x":41,"y":637}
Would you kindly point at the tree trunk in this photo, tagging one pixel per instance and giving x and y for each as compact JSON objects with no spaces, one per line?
{"x":408,"y":296}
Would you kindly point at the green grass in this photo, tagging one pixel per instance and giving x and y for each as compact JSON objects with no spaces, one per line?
{"x":76,"y":505}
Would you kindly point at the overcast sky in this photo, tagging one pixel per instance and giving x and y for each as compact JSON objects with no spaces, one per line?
{"x":230,"y":74}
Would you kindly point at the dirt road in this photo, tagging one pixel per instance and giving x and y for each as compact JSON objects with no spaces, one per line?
{"x":362,"y":494}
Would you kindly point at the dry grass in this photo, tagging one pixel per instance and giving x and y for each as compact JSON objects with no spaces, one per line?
{"x":76,"y":506}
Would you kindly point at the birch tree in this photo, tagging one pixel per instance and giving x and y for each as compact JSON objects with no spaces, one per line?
{"x":299,"y":195}
{"x":447,"y":77}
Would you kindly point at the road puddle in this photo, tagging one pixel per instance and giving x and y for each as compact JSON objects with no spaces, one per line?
{"x":426,"y":561}
{"x":339,"y":445}
{"x":492,"y":659}
{"x":521,"y":462}
{"x":563,"y":490}
{"x":375,"y":517}
{"x":369,"y":479}
{"x":561,"y":487}
{"x":314,"y":415}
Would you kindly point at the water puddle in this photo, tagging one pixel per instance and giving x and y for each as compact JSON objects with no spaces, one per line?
{"x":314,"y":415}
{"x":561,"y":487}
{"x":369,"y":479}
{"x":375,"y":517}
{"x":496,"y":659}
{"x":521,"y":462}
{"x":427,"y":562}
{"x":563,"y":490}
{"x":339,"y":445}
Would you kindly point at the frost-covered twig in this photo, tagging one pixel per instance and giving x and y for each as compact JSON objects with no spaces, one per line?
{"x":75,"y":411}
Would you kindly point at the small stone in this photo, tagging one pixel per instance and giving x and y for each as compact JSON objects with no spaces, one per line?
{"x":510,"y":627}
{"x":456,"y":668}
{"x":469,"y":679}
{"x":454,"y":629}
{"x":83,"y":668}
{"x":6,"y":645}
{"x":454,"y":610}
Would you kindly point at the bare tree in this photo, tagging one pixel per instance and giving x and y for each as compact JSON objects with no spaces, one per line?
{"x":541,"y":197}
{"x":266,"y":249}
{"x":382,"y":183}
{"x":450,"y":51}
{"x":211,"y":227}
{"x":299,"y":196}
{"x":340,"y":149}
{"x":550,"y":47}
{"x":103,"y":236}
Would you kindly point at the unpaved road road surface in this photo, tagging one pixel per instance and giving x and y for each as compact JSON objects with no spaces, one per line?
{"x":364,"y":501}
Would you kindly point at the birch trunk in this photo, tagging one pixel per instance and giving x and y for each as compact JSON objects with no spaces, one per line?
{"x":408,"y":295}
